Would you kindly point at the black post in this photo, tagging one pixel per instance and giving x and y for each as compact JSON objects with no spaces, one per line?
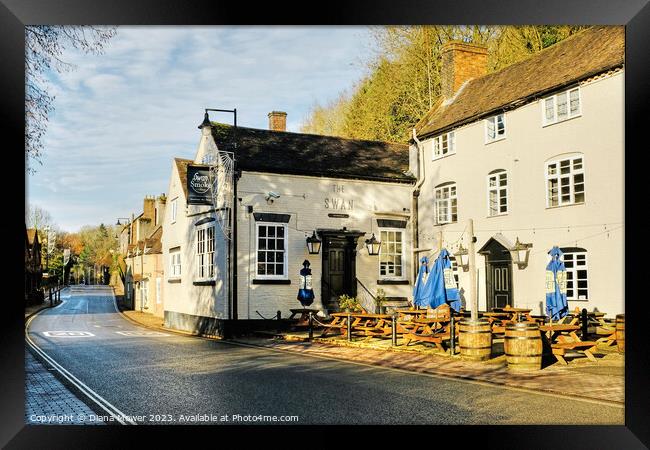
{"x":585,"y":324}
{"x":49,"y":290}
{"x":311,"y":326}
{"x":452,"y":334}
{"x":349,"y":328}
{"x":394,"y":331}
{"x":278,"y":317}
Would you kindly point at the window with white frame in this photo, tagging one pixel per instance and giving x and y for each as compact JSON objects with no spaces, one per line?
{"x":175,"y":262}
{"x":205,"y":252}
{"x":174,"y":205}
{"x":271,"y":250}
{"x":446,"y":203}
{"x":561,"y":106}
{"x":497,"y":192}
{"x":495,"y":128}
{"x":565,"y":181}
{"x":391,"y":253}
{"x":575,"y":262}
{"x":444,"y":144}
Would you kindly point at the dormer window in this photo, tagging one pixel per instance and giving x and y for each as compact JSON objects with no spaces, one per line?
{"x":561,"y":106}
{"x":495,"y":128}
{"x":444,"y":145}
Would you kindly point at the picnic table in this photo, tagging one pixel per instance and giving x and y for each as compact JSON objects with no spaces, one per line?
{"x":433,"y":330}
{"x":366,"y":324}
{"x":304,"y":315}
{"x":563,"y":338}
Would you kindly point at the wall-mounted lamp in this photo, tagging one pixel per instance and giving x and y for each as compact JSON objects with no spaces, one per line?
{"x":373,"y":245}
{"x":313,"y":244}
{"x":462,"y":258}
{"x":520,"y":253}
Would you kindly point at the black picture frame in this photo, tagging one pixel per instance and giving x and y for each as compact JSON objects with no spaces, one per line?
{"x":634,"y":14}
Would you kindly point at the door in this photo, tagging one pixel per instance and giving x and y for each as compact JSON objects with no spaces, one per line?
{"x":501,"y":285}
{"x":498,"y":269}
{"x":339,"y":274}
{"x":336,"y":274}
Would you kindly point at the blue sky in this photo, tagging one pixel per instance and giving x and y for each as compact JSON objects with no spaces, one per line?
{"x":122,"y":116}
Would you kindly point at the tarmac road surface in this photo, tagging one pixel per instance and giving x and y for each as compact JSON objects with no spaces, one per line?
{"x":155,"y":377}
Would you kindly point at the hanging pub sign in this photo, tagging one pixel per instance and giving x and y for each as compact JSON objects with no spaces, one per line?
{"x":198,"y":185}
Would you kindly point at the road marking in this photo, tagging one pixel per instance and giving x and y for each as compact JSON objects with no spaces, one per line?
{"x":92,"y":395}
{"x":143,"y":333}
{"x":67,"y":334}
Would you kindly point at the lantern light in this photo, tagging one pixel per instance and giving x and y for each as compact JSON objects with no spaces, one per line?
{"x":462,"y":257}
{"x":520,"y":253}
{"x":373,"y":245}
{"x":313,"y":244}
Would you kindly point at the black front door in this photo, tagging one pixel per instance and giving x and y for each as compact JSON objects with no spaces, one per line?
{"x":339,"y":276}
{"x":498,"y":268}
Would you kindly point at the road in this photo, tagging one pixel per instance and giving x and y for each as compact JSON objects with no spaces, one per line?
{"x":175,"y":379}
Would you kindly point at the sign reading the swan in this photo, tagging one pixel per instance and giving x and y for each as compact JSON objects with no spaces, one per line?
{"x":199,"y":191}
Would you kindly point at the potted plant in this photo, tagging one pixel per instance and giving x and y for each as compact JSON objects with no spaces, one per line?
{"x":349,"y":304}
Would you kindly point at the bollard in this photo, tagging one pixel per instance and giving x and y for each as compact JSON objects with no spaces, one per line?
{"x":50,"y":295}
{"x":349,"y":328}
{"x":394,"y":331}
{"x":585,"y":324}
{"x":452,"y":335}
{"x":311,"y":326}
{"x":279,"y":318}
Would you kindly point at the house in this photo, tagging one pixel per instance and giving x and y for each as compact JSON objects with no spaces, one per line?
{"x":33,"y":269}
{"x":532,"y":153}
{"x":289,"y":187}
{"x":140,"y":242}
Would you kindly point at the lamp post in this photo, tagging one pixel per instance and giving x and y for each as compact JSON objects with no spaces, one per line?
{"x":232,"y":239}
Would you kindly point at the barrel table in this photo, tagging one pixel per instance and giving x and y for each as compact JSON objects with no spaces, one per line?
{"x":620,"y":332}
{"x":475,"y":339}
{"x":523,"y":346}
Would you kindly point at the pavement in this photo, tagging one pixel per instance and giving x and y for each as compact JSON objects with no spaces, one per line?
{"x":150,"y":376}
{"x":581,"y":378}
{"x":48,"y":401}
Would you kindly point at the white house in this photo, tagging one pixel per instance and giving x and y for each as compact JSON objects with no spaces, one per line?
{"x":290,"y":186}
{"x":532,"y":152}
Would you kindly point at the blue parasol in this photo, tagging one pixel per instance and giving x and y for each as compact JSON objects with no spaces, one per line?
{"x":556,"y":301}
{"x":420,"y":283}
{"x":441,"y":287}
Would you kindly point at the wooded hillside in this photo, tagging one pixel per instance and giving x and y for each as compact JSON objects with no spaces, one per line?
{"x":403,"y":80}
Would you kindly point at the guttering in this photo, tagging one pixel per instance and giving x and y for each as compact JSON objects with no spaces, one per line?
{"x":414,"y":204}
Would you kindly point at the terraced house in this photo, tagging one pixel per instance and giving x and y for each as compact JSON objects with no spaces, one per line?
{"x":533,"y":152}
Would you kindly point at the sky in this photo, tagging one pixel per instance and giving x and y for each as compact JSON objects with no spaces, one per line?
{"x":121,"y":117}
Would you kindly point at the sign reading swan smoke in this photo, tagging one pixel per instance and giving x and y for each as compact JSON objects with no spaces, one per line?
{"x":198,"y":185}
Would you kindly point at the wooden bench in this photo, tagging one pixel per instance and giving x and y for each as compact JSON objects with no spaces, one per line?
{"x":586,"y":347}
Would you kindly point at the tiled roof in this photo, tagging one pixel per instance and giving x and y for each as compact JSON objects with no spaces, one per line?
{"x":592,"y":51}
{"x":313,"y":155}
{"x":181,"y":165}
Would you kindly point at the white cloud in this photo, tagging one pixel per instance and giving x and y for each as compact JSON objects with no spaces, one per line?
{"x":122,"y":116}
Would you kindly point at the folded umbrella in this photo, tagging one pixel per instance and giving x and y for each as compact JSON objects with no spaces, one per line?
{"x":556,"y":302}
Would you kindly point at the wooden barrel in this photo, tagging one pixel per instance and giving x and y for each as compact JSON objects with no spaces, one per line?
{"x":620,"y":332}
{"x":475,"y":339}
{"x":523,"y":346}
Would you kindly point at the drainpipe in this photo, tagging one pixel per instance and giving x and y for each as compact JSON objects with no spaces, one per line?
{"x":414,"y":204}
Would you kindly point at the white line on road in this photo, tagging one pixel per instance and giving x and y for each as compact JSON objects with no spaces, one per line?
{"x":94,"y":396}
{"x":68,"y":334}
{"x":143,"y":333}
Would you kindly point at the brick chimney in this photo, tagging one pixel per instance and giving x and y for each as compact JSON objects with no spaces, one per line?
{"x":278,"y":121}
{"x":461,"y":62}
{"x":149,"y":208}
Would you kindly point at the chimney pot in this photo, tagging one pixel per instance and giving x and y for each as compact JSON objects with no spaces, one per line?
{"x":278,"y":121}
{"x":461,"y":61}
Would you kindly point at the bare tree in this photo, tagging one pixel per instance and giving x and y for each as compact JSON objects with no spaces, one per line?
{"x":44,"y":47}
{"x":38,"y":218}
